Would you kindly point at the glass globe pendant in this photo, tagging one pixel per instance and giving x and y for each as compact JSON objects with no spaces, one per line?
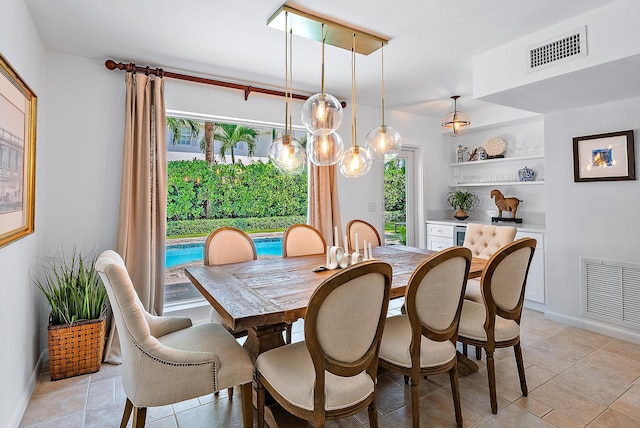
{"x":384,"y":142}
{"x":288,"y":155}
{"x":322,"y":113}
{"x":356,"y":161}
{"x":325,"y":150}
{"x":456,"y":122}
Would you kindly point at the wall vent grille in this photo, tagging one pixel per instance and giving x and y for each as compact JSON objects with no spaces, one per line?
{"x":564,"y":48}
{"x":611,"y":292}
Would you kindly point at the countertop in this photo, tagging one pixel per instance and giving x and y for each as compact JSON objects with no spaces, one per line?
{"x":522,"y":227}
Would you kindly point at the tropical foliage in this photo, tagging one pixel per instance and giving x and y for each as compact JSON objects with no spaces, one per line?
{"x":230,"y":135}
{"x":395,"y":193}
{"x":72,"y":287}
{"x":175,"y":125}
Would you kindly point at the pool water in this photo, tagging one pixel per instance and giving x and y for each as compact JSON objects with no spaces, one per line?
{"x":185,"y":253}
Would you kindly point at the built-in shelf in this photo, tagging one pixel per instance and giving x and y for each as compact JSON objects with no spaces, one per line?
{"x":500,"y":160}
{"x":498,"y":183}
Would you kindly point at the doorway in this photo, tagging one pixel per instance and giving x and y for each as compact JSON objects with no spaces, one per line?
{"x":399,"y":199}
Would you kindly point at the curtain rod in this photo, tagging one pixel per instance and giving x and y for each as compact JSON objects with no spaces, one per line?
{"x":131,"y":67}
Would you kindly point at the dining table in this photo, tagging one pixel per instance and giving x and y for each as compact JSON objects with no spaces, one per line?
{"x":263,"y":296}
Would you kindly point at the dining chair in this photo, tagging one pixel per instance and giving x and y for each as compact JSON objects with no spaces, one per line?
{"x":423,"y":342}
{"x":495,"y":323}
{"x":166,"y":360}
{"x":365,"y":231}
{"x":302,"y":240}
{"x":332,"y":373}
{"x":228,"y":245}
{"x":484,"y":240}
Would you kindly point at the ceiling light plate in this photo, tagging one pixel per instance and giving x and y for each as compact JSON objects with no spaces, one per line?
{"x":310,"y":26}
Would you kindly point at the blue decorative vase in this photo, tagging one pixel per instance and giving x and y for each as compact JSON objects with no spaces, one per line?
{"x":526,"y":174}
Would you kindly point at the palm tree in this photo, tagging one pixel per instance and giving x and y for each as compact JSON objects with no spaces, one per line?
{"x":175,"y":125}
{"x":230,"y":135}
{"x":209,"y":129}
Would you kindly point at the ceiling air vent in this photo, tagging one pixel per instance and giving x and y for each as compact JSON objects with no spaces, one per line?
{"x":560,"y":49}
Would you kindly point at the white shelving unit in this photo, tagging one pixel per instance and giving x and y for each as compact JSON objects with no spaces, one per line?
{"x":502,"y":164}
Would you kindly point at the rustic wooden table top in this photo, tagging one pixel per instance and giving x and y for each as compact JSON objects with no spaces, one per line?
{"x":276,"y":290}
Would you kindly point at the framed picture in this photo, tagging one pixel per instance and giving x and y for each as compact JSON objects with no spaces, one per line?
{"x":17,"y":155}
{"x":604,"y":157}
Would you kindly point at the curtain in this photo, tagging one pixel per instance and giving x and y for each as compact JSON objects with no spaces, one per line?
{"x":324,"y":213}
{"x":143,"y":196}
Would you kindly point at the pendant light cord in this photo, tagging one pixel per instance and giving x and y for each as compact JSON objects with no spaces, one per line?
{"x":323,"y":40}
{"x":382,"y":53}
{"x":353,"y":92}
{"x":291,"y":82}
{"x":286,"y":73}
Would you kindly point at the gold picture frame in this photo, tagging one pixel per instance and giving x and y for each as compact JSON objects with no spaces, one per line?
{"x":604,"y":157}
{"x":17,"y":155}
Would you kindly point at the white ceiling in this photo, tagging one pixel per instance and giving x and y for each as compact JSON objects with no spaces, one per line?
{"x":427,"y":60}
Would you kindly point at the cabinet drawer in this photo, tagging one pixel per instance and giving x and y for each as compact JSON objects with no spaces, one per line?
{"x":440,"y":230}
{"x":438,"y":243}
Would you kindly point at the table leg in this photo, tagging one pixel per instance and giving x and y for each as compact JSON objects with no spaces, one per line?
{"x":263,"y":338}
{"x":465,"y":365}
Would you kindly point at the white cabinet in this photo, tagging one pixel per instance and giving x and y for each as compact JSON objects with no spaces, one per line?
{"x":535,"y":281}
{"x":439,"y":236}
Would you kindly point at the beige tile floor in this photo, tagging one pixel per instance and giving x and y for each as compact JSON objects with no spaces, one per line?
{"x":575,"y":378}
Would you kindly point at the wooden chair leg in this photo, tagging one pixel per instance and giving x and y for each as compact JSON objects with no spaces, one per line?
{"x":415,"y":403}
{"x":464,"y":349}
{"x":520,"y":362}
{"x":406,"y":379}
{"x":455,"y":391}
{"x":491,"y":373}
{"x":246,"y":392}
{"x":128,"y":407}
{"x":478,"y":353}
{"x":139,"y":416}
{"x":230,"y":393}
{"x":373,"y":413}
{"x":260,"y":403}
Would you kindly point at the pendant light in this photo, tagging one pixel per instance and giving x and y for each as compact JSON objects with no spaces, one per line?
{"x":356,"y":160}
{"x":383,"y":142}
{"x":456,"y":122}
{"x":322,"y":115}
{"x":286,"y":152}
{"x":322,"y":112}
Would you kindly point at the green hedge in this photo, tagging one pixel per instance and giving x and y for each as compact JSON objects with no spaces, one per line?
{"x":203,"y":227}
{"x":394,"y":216}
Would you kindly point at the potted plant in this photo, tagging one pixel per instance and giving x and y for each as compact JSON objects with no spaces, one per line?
{"x":462,"y":201}
{"x":77,"y":298}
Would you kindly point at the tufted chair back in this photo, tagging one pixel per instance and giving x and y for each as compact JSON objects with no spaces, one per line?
{"x":485,"y":240}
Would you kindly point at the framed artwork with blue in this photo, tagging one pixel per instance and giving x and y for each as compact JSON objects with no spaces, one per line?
{"x":604,"y":157}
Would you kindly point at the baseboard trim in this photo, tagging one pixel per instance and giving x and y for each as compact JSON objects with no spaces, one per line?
{"x":594,"y":326}
{"x":27,"y":392}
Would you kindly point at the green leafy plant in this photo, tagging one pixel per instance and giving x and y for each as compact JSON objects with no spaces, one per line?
{"x":72,"y":287}
{"x":463,"y":200}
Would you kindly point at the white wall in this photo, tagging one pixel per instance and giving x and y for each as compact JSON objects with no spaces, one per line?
{"x":20,"y":304}
{"x":588,"y":219}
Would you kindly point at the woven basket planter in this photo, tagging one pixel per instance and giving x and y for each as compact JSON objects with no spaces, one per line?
{"x":76,"y":349}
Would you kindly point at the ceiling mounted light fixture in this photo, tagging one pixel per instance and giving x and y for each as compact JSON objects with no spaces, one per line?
{"x":383,"y":142}
{"x":356,"y":160}
{"x":456,"y":122}
{"x":286,"y":152}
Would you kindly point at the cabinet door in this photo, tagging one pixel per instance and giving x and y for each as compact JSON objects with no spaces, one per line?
{"x":535,"y":279}
{"x":437,"y":243}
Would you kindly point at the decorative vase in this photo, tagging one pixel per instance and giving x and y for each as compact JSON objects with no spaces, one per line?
{"x":461,"y":215}
{"x":526,"y":174}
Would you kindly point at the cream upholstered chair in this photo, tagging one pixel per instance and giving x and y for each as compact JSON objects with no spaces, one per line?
{"x":228,"y":245}
{"x":167,"y":359}
{"x":484,"y":240}
{"x":496,"y":322}
{"x":302,"y":240}
{"x":423,"y":342}
{"x":332,"y":373}
{"x":365,"y":231}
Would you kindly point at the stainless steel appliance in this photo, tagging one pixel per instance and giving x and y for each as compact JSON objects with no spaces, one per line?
{"x":458,"y":234}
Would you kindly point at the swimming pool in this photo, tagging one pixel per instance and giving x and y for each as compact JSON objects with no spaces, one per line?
{"x":185,"y":253}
